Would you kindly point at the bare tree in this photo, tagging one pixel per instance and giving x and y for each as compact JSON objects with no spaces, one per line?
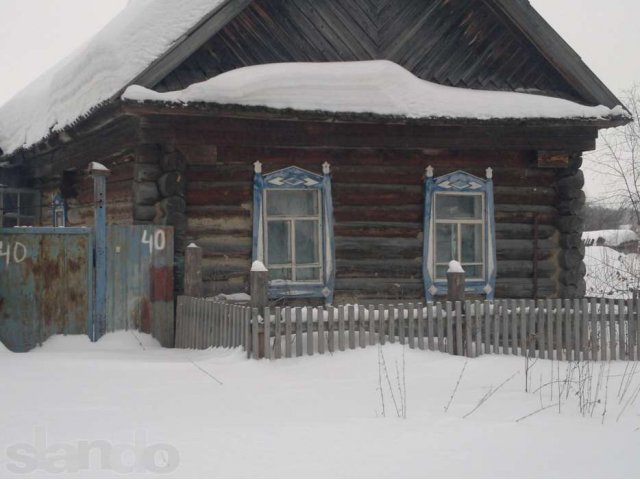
{"x":618,"y":158}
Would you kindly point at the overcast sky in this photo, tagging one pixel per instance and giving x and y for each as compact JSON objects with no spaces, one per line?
{"x":36,"y":34}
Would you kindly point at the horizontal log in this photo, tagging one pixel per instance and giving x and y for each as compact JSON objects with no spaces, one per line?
{"x":378,"y":229}
{"x":386,"y":248}
{"x":519,"y":231}
{"x":524,"y":268}
{"x":523,"y":249}
{"x":372,"y":268}
{"x":401,"y":287}
{"x":524,"y":288}
{"x":147,"y":172}
{"x":221,"y":173}
{"x":173,"y":161}
{"x":145,"y":193}
{"x":144,"y":213}
{"x":403,"y":213}
{"x":524,"y":195}
{"x":373,"y":195}
{"x":237,"y":285}
{"x":172,"y":184}
{"x":227,"y":195}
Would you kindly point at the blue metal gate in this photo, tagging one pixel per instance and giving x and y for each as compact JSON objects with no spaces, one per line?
{"x":46,"y":284}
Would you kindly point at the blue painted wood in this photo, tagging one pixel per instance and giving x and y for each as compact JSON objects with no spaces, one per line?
{"x":297,"y":178}
{"x":458,"y":182}
{"x":46,"y":284}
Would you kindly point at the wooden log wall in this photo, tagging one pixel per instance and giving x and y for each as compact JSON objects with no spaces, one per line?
{"x":378,"y":204}
{"x":76,"y":186}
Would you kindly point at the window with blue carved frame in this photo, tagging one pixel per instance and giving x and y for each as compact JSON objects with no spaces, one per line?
{"x":293,"y":231}
{"x":459,"y":225}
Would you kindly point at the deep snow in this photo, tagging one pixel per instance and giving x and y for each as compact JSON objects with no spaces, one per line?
{"x":321,"y":415}
{"x":376,"y":86}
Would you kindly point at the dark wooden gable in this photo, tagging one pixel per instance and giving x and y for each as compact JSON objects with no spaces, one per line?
{"x":463,"y":43}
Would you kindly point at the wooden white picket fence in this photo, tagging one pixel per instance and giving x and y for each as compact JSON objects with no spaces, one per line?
{"x":596,"y":329}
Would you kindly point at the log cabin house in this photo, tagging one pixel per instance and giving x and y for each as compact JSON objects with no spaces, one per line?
{"x":354,"y":146}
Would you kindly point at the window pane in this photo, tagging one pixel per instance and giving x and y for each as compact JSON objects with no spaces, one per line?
{"x":458,"y":207}
{"x":441,"y":271}
{"x":279,"y":274}
{"x":472,"y":271}
{"x":306,"y":274}
{"x":307,"y":240}
{"x":446,"y":242}
{"x":10,"y":204}
{"x":471,"y":243}
{"x":28,"y":204}
{"x":9,"y":221}
{"x":279,"y":247}
{"x":292,"y":202}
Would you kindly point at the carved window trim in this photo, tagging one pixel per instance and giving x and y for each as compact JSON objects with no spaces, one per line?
{"x":295,"y":178}
{"x":459,"y":182}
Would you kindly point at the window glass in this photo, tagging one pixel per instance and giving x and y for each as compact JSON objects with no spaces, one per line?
{"x":472,"y":271}
{"x":280,"y":274}
{"x":471,"y":236}
{"x":446,"y":242}
{"x":10,"y":204}
{"x":306,"y":274}
{"x":298,"y":203}
{"x":27,"y":204}
{"x":306,"y":241}
{"x":455,"y":207}
{"x":279,"y":245}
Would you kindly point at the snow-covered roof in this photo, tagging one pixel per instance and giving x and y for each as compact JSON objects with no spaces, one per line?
{"x":377,"y":86}
{"x":98,"y":70}
{"x":611,"y":238}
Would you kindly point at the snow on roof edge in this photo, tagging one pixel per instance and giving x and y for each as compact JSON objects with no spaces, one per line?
{"x":378,"y":87}
{"x":98,"y":70}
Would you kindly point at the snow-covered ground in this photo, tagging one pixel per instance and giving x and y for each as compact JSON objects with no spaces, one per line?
{"x":215,"y":413}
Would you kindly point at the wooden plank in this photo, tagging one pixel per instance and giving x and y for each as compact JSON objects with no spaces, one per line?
{"x":411,"y":333}
{"x":430,"y":326}
{"x":506,"y":305}
{"x":309,"y":328}
{"x":548,"y":326}
{"x":266,"y":339}
{"x":612,"y":330}
{"x":524,"y":333}
{"x":254,"y":333}
{"x":277,"y":330}
{"x":541,"y":333}
{"x":622,"y":323}
{"x":449,"y":319}
{"x":477,"y":328}
{"x":633,"y":334}
{"x":392,"y":324}
{"x":372,"y":325}
{"x":382,"y":324}
{"x":636,"y":321}
{"x":441,"y":327}
{"x":421,"y":325}
{"x":531,"y":331}
{"x":352,"y":327}
{"x":458,"y":329}
{"x":341,"y":339}
{"x":593,"y":330}
{"x":496,"y":321}
{"x":288,"y":333}
{"x":401,"y":324}
{"x":604,"y":349}
{"x":578,"y":317}
{"x":298,"y":322}
{"x":248,"y":344}
{"x":321,"y":329}
{"x":559,"y":317}
{"x":468,"y":329}
{"x":331,"y":329}
{"x":568,"y":331}
{"x":360,"y":320}
{"x":488,"y":322}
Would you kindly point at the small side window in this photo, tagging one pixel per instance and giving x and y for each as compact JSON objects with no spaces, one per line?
{"x":18,"y":207}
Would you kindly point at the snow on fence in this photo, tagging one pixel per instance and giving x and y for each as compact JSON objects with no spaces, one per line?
{"x":595,"y":329}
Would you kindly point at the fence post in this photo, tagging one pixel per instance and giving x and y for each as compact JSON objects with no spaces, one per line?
{"x":193,"y":271}
{"x":258,"y":280}
{"x":99,"y":173}
{"x":455,"y":295}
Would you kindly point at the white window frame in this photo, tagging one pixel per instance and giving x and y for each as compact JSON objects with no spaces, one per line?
{"x":292,"y":219}
{"x":459,"y":223}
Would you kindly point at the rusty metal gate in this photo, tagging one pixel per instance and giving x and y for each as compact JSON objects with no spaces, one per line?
{"x":140,"y":280}
{"x":46,"y":284}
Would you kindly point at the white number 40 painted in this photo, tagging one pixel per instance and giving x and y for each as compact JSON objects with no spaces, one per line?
{"x":157,"y":241}
{"x":16,"y":254}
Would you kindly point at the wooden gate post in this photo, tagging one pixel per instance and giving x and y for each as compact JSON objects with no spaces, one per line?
{"x":193,"y":271}
{"x":258,"y":282}
{"x":99,"y":173}
{"x":455,"y":293}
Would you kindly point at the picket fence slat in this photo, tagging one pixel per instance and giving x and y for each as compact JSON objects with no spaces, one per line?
{"x":572,"y":330}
